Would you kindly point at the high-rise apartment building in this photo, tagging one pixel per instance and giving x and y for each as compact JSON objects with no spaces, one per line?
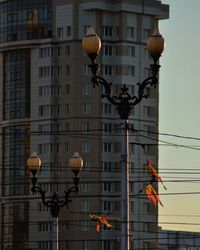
{"x":49,"y":106}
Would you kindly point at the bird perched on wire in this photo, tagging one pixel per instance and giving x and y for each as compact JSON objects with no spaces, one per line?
{"x":100,"y":221}
{"x":152,"y":171}
{"x":152,"y":195}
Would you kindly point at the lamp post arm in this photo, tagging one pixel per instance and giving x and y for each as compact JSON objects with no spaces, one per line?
{"x":124,"y":101}
{"x":74,"y":189}
{"x":151,"y":81}
{"x":35,"y":189}
{"x":98,"y":80}
{"x":54,"y":202}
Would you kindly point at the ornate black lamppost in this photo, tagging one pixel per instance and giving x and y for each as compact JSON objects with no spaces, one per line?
{"x":55,"y":202}
{"x":124,"y":103}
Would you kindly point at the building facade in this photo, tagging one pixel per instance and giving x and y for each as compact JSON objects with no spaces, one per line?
{"x":49,"y":106}
{"x":179,"y":240}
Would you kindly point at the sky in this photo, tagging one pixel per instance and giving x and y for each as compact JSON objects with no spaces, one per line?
{"x":179,"y":115}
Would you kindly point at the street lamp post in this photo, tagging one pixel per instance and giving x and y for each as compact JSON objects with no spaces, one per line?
{"x":55,"y":202}
{"x":124,"y":103}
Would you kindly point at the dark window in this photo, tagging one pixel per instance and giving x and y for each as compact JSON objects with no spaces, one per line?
{"x":22,"y":20}
{"x":17,"y":84}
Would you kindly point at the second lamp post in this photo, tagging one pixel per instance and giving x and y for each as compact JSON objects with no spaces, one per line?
{"x":54,"y":203}
{"x":124,"y":103}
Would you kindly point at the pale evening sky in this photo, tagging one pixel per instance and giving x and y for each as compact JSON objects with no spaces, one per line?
{"x":179,"y":115}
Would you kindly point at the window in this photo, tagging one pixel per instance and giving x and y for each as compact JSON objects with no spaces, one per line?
{"x":131,"y":206}
{"x":131,"y":70}
{"x":67,"y":50}
{"x":85,"y":226}
{"x":107,"y":128}
{"x":85,"y":127}
{"x":46,"y":52}
{"x":109,"y":70}
{"x":64,"y":245}
{"x":59,"y":71}
{"x":146,"y":34}
{"x":15,"y":75}
{"x":109,"y":50}
{"x":131,"y":167}
{"x":106,"y":186}
{"x":147,"y":227}
{"x":108,"y":31}
{"x":60,"y":32}
{"x":149,"y":111}
{"x":65,"y":226}
{"x":86,"y":70}
{"x":67,"y":126}
{"x":107,"y":147}
{"x":85,"y":187}
{"x":107,"y":166}
{"x":146,"y":245}
{"x":130,"y":32}
{"x":85,"y":206}
{"x":69,"y":31}
{"x":86,"y":89}
{"x":49,"y":167}
{"x":12,"y":17}
{"x":85,"y":245}
{"x":131,"y":51}
{"x":86,"y":166}
{"x":48,"y":110}
{"x":45,"y":226}
{"x":46,"y":71}
{"x":66,"y":147}
{"x":106,"y":206}
{"x":131,"y":89}
{"x":67,"y":108}
{"x":50,"y":90}
{"x":146,"y":53}
{"x":67,"y":70}
{"x":150,"y":130}
{"x":106,"y":245}
{"x":86,"y":108}
{"x":45,"y":244}
{"x":107,"y":108}
{"x":49,"y":148}
{"x":85,"y":147}
{"x":59,"y":51}
{"x":85,"y":28}
{"x":49,"y":187}
{"x":49,"y":127}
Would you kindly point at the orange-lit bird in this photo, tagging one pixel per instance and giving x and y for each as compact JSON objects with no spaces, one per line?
{"x":152,"y":195}
{"x":152,"y":171}
{"x":100,"y":220}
